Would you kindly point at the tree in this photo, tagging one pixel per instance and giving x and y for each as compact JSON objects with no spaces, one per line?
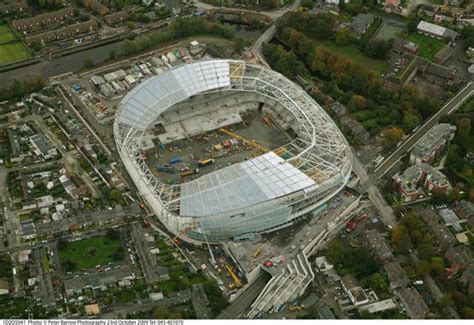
{"x":468,"y":312}
{"x":412,"y":26}
{"x":308,"y":4}
{"x":392,"y":136}
{"x":376,"y":281}
{"x":239,"y":44}
{"x":335,"y":252}
{"x":437,"y":265}
{"x":455,"y":194}
{"x":454,"y":159}
{"x":401,"y":239}
{"x":359,"y":101}
{"x":161,"y":313}
{"x":463,"y":131}
{"x":426,"y":251}
{"x":344,"y":37}
{"x":422,"y":268}
{"x":410,"y":121}
{"x":377,"y":49}
{"x":116,"y":195}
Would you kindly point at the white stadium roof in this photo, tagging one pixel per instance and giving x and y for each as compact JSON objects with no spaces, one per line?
{"x":250,"y":182}
{"x":146,"y":102}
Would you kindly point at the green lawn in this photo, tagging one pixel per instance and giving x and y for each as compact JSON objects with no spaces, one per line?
{"x":6,"y":35}
{"x":355,"y":55}
{"x":428,"y":46}
{"x":11,"y":48}
{"x":88,"y":253}
{"x":13,"y":52}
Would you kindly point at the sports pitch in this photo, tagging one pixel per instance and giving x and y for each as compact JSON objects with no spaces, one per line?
{"x":90,"y":252}
{"x":11,"y":48}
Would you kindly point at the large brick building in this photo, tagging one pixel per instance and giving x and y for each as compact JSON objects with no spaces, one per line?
{"x":418,"y":177}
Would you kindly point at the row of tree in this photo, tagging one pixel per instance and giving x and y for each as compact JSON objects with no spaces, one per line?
{"x":181,"y":27}
{"x":20,"y":88}
{"x":322,"y":26}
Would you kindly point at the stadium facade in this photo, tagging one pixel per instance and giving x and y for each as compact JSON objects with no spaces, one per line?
{"x":258,"y":195}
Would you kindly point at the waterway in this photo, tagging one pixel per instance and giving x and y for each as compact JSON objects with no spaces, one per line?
{"x":75,"y":62}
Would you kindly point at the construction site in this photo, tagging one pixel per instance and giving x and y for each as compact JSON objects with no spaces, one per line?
{"x":224,"y":149}
{"x":187,"y":159}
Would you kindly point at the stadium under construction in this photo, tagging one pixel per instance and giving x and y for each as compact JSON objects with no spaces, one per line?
{"x":223,"y":150}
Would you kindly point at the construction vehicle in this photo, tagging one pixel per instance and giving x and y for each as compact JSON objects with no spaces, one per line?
{"x":190,"y":172}
{"x":266,"y":120}
{"x":205,"y":162}
{"x":164,"y":169}
{"x":244,"y":140}
{"x":268,"y":263}
{"x":175,"y":160}
{"x":295,"y":308}
{"x":351,"y":226}
{"x":238,"y":283}
{"x":258,"y":250}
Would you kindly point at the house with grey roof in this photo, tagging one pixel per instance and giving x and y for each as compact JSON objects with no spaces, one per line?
{"x":379,"y":245}
{"x":414,"y":303}
{"x":432,"y":143}
{"x":436,"y":31}
{"x":440,"y":232}
{"x":396,"y":275}
{"x":361,"y":23}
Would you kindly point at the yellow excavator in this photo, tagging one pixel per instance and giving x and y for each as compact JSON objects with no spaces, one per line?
{"x":258,"y":250}
{"x":238,"y":283}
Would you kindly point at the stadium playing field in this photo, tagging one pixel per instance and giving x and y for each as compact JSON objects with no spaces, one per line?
{"x":11,"y":48}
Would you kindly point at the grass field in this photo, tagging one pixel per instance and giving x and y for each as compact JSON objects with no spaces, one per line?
{"x":428,"y":46}
{"x":11,"y":48}
{"x":90,"y":252}
{"x":355,"y":55}
{"x":6,"y":35}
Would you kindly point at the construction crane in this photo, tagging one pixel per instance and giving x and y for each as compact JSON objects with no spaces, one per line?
{"x":238,"y":283}
{"x":241,"y":138}
{"x":258,"y":250}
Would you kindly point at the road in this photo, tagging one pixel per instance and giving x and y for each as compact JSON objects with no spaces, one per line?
{"x":454,"y":103}
{"x":385,"y":211}
{"x":243,"y":302}
{"x":269,"y":33}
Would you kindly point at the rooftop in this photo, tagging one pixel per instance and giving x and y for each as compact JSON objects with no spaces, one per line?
{"x":250,"y":182}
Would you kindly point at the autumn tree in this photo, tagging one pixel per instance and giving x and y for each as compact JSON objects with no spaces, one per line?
{"x":392,"y":136}
{"x":401,"y":239}
{"x":359,"y":101}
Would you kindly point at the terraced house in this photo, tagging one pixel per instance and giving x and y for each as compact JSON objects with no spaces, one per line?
{"x":8,"y":7}
{"x":43,"y":21}
{"x":62,"y":33}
